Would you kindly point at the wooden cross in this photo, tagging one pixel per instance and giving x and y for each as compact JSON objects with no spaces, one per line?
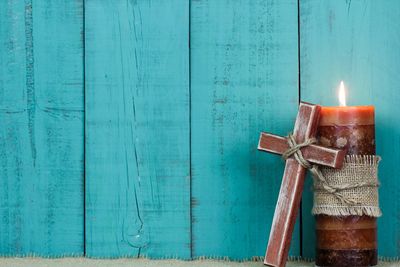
{"x":293,"y":179}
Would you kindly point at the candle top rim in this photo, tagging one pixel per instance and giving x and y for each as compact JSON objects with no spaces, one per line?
{"x":347,"y":115}
{"x":365,"y":107}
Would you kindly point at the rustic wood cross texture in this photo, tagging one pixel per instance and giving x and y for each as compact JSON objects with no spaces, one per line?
{"x":293,"y":179}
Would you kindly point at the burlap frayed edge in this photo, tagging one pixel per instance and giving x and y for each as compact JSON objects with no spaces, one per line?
{"x":347,"y":211}
{"x":371,"y":211}
{"x":363,"y":159}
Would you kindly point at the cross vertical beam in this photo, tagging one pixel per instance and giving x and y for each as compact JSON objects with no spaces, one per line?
{"x":293,"y":180}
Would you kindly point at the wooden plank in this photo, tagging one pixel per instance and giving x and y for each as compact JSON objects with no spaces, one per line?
{"x":41,"y":137}
{"x":137,"y":129}
{"x":357,"y":41}
{"x":243,"y":81}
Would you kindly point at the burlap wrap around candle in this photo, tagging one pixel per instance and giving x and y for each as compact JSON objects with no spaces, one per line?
{"x":352,"y":190}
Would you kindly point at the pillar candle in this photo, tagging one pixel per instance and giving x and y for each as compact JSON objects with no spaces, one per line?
{"x":347,"y":241}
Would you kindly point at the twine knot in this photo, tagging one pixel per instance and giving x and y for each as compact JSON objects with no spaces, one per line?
{"x":295,"y":150}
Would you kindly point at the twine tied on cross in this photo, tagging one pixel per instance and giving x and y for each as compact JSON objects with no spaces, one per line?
{"x":295,"y":151}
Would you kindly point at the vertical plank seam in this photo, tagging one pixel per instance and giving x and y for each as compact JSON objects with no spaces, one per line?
{"x":190,"y":133}
{"x":299,"y":99}
{"x":84,"y":121}
{"x":30,"y":78}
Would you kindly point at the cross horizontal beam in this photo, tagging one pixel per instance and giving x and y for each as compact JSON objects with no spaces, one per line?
{"x":313,"y":153}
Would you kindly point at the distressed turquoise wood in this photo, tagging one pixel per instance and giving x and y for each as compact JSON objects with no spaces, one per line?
{"x":244,"y":80}
{"x":171,"y":132}
{"x":41,"y":136}
{"x":358,"y":42}
{"x":137,"y":129}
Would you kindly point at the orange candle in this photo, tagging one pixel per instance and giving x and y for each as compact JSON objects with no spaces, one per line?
{"x":351,"y":128}
{"x":347,"y":241}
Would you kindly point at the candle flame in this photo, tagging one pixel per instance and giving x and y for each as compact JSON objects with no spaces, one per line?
{"x":342,"y":95}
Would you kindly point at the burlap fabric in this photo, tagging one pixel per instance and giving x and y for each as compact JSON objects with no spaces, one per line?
{"x":356,"y":183}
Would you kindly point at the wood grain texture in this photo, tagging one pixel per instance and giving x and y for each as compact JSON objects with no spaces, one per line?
{"x":137,"y":141}
{"x":243,"y":80}
{"x":357,"y":41}
{"x":41,"y":137}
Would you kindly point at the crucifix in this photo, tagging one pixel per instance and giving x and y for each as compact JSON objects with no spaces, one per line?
{"x":302,"y":152}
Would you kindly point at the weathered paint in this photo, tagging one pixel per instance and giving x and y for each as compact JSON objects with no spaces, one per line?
{"x":358,"y":42}
{"x":137,"y":129}
{"x":244,"y":80}
{"x":41,"y":136}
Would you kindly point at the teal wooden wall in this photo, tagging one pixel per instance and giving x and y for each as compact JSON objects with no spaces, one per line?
{"x":42,"y":126}
{"x":129,"y":128}
{"x":137,"y":129}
